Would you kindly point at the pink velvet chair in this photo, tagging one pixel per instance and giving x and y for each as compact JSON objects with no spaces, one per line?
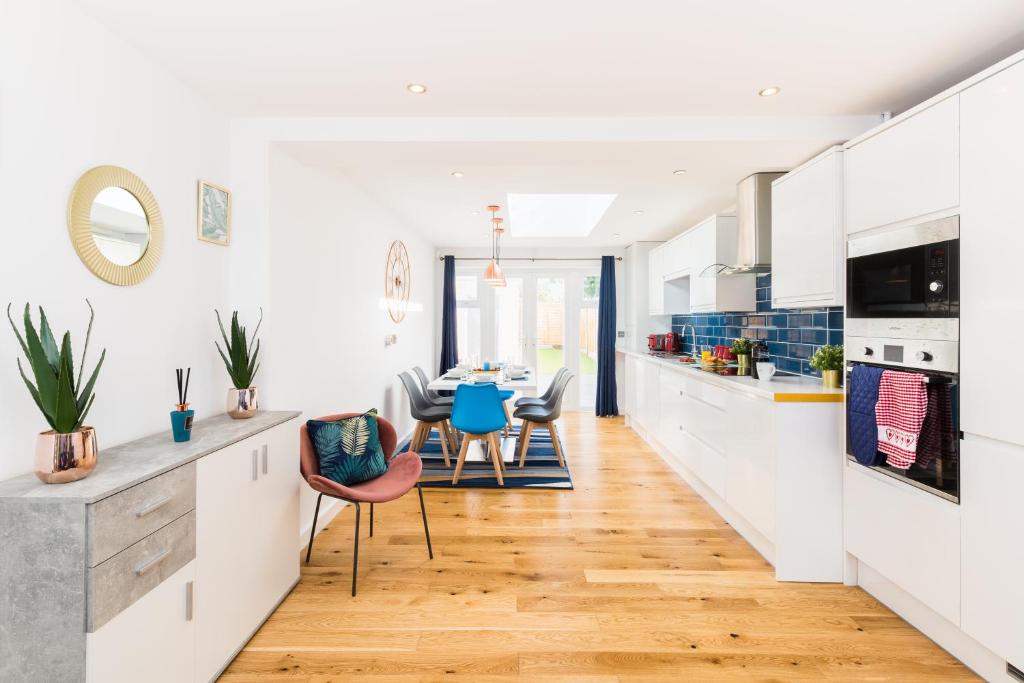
{"x":403,"y":474}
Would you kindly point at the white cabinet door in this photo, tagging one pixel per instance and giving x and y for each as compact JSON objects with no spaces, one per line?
{"x":153,"y":640}
{"x":993,"y":551}
{"x":640,"y":418}
{"x":992,"y":168}
{"x":703,"y":254}
{"x":750,"y":455}
{"x":656,"y":281}
{"x":228,"y":541}
{"x":630,"y":379}
{"x":279,"y":506}
{"x":908,"y":170}
{"x":677,"y":257}
{"x":807,"y":234}
{"x":650,"y":398}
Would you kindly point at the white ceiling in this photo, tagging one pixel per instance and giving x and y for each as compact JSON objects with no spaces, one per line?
{"x":568,"y":57}
{"x":414,"y":179}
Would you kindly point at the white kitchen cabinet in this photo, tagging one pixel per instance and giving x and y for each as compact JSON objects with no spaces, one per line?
{"x":909,"y":536}
{"x":711,"y":242}
{"x":152,"y":640}
{"x":649,"y":398}
{"x":808,"y":255}
{"x":676,"y":262}
{"x":993,"y":550}
{"x":656,"y":281}
{"x":246,"y":520}
{"x":631,"y":368}
{"x":906,"y":170}
{"x":750,"y":480}
{"x":992,"y":308}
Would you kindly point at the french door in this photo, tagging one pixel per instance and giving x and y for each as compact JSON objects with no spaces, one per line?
{"x":545,"y":319}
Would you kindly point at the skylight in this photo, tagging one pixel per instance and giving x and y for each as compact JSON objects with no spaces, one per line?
{"x":556,"y":215}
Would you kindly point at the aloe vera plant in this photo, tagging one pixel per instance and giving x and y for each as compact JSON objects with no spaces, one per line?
{"x":241,"y":356}
{"x":63,"y":399}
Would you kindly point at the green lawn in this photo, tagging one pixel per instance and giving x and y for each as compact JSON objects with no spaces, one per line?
{"x":549,"y":360}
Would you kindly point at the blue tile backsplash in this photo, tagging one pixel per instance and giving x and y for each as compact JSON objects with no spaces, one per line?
{"x":792,"y":335}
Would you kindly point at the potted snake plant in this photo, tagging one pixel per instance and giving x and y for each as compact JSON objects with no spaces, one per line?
{"x":67,"y":451}
{"x":828,"y":360}
{"x":240,"y":355}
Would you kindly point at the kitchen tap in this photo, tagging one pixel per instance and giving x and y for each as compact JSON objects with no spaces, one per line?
{"x":693,"y":339}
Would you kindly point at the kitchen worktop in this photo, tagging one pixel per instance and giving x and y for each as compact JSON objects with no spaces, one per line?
{"x":781,"y":389}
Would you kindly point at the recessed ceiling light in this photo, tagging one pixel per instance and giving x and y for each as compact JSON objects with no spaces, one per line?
{"x":616,"y":235}
{"x":457,"y":174}
{"x":416,"y":88}
{"x":679,"y":171}
{"x":639,"y":212}
{"x":769,"y":91}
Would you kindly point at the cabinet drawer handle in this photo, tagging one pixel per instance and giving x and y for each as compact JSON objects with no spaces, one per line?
{"x":255,"y":465}
{"x":190,"y":599}
{"x":266,"y":459}
{"x":151,"y":564}
{"x":153,"y":507}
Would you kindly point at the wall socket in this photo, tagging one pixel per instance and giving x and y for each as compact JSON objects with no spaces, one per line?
{"x":390,"y":340}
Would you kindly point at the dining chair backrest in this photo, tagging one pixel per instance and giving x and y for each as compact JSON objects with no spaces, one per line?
{"x":425,"y":383}
{"x":550,"y":391}
{"x":417,"y":401}
{"x":478,"y":409}
{"x":554,"y":405}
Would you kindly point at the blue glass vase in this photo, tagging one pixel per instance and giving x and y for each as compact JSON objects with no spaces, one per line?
{"x":181,"y":424}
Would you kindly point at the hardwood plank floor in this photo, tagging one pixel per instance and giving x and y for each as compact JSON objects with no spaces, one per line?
{"x":630,"y":577}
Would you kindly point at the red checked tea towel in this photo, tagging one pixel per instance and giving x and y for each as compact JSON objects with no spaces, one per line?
{"x":900,"y":411}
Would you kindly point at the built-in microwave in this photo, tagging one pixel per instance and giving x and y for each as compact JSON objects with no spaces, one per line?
{"x":905,"y":283}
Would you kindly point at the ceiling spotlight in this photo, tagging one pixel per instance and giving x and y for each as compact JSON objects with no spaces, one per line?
{"x":416,"y":88}
{"x":616,"y":235}
{"x":769,"y":91}
{"x":679,"y":171}
{"x":638,"y":212}
{"x":457,"y":174}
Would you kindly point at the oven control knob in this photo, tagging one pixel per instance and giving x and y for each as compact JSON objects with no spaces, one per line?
{"x":868,"y":351}
{"x":923,"y":356}
{"x":936,"y":286}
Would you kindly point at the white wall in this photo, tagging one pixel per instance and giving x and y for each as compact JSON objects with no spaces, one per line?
{"x":72,"y":96}
{"x":328,"y":242}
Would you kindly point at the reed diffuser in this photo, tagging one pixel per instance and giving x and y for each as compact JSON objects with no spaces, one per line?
{"x":181,"y":417}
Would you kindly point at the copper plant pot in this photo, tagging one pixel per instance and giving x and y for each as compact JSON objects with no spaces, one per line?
{"x":242,"y":403}
{"x":61,"y":458}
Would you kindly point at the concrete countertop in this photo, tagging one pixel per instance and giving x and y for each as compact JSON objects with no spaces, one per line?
{"x":782,"y":389}
{"x":128,"y":464}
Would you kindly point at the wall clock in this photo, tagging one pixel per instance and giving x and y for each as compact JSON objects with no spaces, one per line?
{"x":397,"y":281}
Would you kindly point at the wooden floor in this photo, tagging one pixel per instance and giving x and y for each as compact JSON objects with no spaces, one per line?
{"x":630,"y":577}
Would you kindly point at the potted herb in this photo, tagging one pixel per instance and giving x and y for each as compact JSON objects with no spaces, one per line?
{"x":741,"y":347}
{"x":68,"y":450}
{"x":828,"y":360}
{"x":240,"y":355}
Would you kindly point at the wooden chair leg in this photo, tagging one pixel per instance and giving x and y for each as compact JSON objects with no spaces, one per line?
{"x":508,"y":417}
{"x":553,"y":431}
{"x":496,"y":456}
{"x":452,"y":439}
{"x":417,"y":438}
{"x":524,"y":442}
{"x":442,"y":435}
{"x":462,"y":459}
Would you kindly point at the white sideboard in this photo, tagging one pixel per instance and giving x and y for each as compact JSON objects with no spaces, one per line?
{"x":160,"y":565}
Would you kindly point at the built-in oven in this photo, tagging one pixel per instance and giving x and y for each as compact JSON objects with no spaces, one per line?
{"x":935,"y":465}
{"x":905,"y":283}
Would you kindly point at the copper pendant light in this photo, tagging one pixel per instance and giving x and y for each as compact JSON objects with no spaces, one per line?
{"x":493,"y":274}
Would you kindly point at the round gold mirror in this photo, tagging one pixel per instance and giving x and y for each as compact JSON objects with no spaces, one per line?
{"x":115,"y":225}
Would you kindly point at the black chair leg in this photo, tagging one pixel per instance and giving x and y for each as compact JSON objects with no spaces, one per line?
{"x":312,"y":532}
{"x":371,"y":520}
{"x":355,"y":552}
{"x":426,"y":529}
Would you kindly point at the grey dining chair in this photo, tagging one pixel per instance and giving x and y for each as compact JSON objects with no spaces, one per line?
{"x":428,"y":416}
{"x":434,"y":397}
{"x":546,"y":414}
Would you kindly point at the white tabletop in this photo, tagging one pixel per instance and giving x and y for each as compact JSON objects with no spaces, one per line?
{"x":527,"y":382}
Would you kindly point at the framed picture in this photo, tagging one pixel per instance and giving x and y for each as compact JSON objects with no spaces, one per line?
{"x":214,"y":216}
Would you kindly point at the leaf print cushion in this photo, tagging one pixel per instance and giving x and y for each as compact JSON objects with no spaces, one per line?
{"x":349,"y":450}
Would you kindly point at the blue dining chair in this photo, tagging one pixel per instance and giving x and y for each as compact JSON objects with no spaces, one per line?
{"x":505,"y":395}
{"x":479,"y":414}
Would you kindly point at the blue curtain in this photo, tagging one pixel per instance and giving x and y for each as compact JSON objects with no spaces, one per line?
{"x":606,"y":404}
{"x":449,"y":334}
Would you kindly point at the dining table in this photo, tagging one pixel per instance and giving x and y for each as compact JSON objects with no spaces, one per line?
{"x":451,"y":380}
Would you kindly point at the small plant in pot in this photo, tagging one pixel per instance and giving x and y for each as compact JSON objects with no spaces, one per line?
{"x":828,"y":360}
{"x":68,"y":451}
{"x":240,"y":355}
{"x":741,"y":347}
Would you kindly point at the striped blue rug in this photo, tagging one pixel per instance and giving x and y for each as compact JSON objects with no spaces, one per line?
{"x":542,"y":470}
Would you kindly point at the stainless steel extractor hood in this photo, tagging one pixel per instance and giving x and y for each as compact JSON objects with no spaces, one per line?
{"x":754,"y":231}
